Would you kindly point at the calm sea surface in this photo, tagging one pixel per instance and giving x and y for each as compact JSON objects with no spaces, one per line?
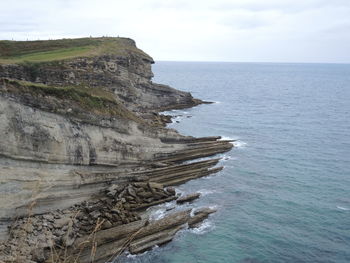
{"x":284,"y":195}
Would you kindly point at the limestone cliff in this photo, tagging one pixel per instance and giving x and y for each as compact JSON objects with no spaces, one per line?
{"x":84,"y":150}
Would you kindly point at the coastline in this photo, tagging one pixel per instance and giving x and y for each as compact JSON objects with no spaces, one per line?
{"x":88,"y":197}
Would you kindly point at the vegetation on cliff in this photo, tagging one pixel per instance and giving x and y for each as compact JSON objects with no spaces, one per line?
{"x":14,"y":52}
{"x":86,"y":154}
{"x":96,"y":101}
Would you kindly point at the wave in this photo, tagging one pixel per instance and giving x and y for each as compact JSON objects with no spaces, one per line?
{"x":197,"y":160}
{"x":137,"y":257}
{"x":160,"y":211}
{"x":203,"y":228}
{"x":236,"y":142}
{"x":227,"y":158}
{"x":343,"y":208}
{"x":239,"y":144}
{"x":211,"y":176}
{"x":129,"y":255}
{"x":225,"y":138}
{"x":205,"y":192}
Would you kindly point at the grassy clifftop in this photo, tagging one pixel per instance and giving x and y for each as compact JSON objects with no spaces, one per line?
{"x":13,"y":52}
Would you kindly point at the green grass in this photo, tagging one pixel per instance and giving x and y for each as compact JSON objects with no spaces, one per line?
{"x":13,"y":52}
{"x":59,"y":54}
{"x":85,"y":97}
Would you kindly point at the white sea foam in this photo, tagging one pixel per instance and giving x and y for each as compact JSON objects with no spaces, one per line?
{"x":168,"y":205}
{"x":158,"y":214}
{"x":129,"y":255}
{"x":179,"y":191}
{"x":211,"y":176}
{"x":227,"y":158}
{"x":239,"y":144}
{"x":135,"y":256}
{"x":343,"y":208}
{"x":198,"y":160}
{"x":224,"y":138}
{"x":205,"y":192}
{"x":176,"y":119}
{"x":205,"y":227}
{"x":160,"y":211}
{"x":214,"y":207}
{"x":236,"y":142}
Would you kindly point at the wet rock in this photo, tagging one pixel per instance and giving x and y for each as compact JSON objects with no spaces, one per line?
{"x":188,"y":198}
{"x":170,"y":190}
{"x":199,"y":216}
{"x":204,"y":210}
{"x":97,"y":140}
{"x":170,"y":208}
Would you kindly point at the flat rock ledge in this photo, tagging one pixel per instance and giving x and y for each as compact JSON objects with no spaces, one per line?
{"x":117,"y":221}
{"x":113,"y":224}
{"x":86,"y":154}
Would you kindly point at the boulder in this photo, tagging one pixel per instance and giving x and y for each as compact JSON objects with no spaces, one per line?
{"x":59,"y":223}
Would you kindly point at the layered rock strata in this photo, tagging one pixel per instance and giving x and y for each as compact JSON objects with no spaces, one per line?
{"x":85,"y":153}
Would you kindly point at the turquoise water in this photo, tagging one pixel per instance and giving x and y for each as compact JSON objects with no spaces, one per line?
{"x":284,"y":195}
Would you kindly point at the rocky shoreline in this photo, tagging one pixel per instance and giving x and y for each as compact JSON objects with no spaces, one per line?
{"x":87,"y":153}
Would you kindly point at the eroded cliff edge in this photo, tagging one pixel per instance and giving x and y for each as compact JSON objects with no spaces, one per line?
{"x":84,"y":151}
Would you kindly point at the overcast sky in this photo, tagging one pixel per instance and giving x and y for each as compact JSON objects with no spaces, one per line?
{"x":203,"y":30}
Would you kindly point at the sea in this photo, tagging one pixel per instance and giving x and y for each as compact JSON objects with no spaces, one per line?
{"x":284,"y":193}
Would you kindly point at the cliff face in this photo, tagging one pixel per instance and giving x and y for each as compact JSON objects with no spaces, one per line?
{"x":128,"y":77}
{"x":77,"y":125}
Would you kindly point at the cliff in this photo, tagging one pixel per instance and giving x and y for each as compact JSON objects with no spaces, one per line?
{"x":85,"y":152}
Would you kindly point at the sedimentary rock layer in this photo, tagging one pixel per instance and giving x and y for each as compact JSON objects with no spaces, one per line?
{"x":84,"y":152}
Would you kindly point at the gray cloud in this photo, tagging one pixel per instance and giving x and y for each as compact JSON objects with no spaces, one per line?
{"x":285,"y":6}
{"x":221,"y":30}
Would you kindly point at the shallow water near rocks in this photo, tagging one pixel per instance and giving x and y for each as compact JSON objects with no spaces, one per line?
{"x":284,"y":195}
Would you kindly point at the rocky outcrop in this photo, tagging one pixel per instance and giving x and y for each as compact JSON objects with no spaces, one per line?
{"x":85,"y":153}
{"x":127,"y":77}
{"x":114,"y":223}
{"x":188,"y":198}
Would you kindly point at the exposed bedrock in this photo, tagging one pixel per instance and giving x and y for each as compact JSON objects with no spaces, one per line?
{"x":100,"y":230}
{"x":188,"y":198}
{"x":84,"y":153}
{"x":127,"y":77}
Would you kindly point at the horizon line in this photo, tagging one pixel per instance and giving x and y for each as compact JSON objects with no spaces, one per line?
{"x":252,"y":62}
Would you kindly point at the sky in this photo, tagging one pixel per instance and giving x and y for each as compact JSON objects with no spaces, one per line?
{"x":194,"y":30}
